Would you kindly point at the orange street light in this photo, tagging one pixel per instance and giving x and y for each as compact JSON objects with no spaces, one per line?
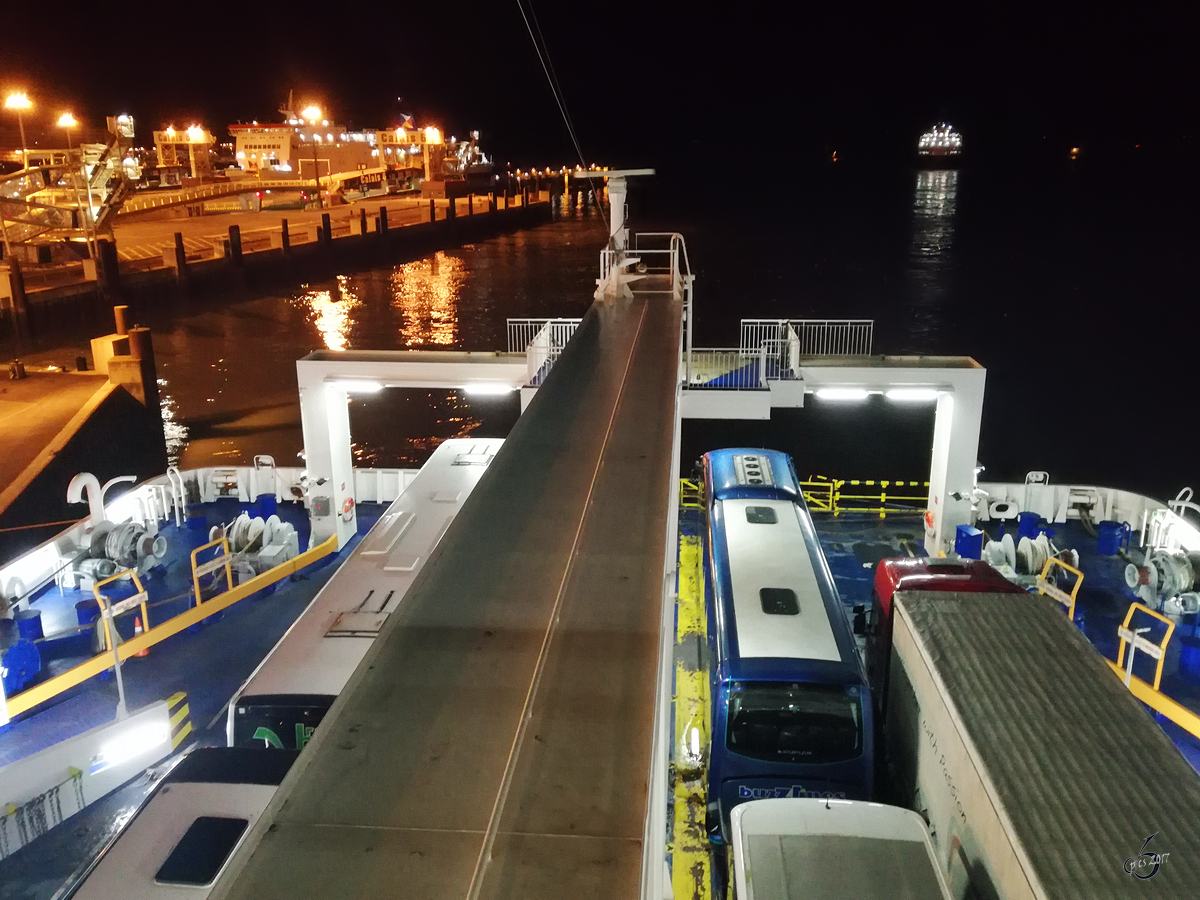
{"x":19,"y":102}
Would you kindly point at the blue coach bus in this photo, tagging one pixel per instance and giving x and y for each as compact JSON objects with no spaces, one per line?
{"x":791,"y":712}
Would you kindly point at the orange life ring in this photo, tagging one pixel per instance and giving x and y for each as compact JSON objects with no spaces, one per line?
{"x":929,"y":519}
{"x":347,"y":509}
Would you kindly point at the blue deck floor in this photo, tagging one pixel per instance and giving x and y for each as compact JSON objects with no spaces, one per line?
{"x":209,"y":663}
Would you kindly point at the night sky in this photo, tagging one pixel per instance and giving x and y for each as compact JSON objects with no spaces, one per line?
{"x":770,"y":80}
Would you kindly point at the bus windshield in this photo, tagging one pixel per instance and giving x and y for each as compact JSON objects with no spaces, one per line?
{"x":794,"y":723}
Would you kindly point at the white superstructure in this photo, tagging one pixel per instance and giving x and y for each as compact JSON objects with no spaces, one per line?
{"x":317,"y":655}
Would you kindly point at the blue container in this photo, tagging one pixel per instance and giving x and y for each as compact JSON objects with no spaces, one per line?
{"x":197,"y":519}
{"x":29,"y":624}
{"x":968,"y":542}
{"x":1110,"y":536}
{"x":1027,"y":525}
{"x":1189,"y":659}
{"x":266,"y":505}
{"x":87,"y":611}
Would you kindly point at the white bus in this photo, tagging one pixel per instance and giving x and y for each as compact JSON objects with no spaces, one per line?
{"x":793,"y":848}
{"x":185,"y":831}
{"x":287,"y":695}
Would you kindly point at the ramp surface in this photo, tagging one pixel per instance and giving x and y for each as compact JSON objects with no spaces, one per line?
{"x":496,"y":740}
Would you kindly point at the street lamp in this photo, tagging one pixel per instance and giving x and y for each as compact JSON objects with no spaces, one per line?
{"x":66,"y":122}
{"x":20,"y":102}
{"x":313,"y":115}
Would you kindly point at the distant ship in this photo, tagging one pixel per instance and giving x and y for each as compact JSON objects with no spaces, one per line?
{"x":940,"y":146}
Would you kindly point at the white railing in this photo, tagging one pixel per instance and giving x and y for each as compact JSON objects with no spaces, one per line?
{"x":542,"y":341}
{"x":726,"y":369}
{"x":646,"y":256}
{"x":156,"y":501}
{"x":812,"y":337}
{"x":1057,"y":503}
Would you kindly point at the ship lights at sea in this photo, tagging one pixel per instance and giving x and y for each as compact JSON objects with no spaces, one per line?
{"x":941,"y":140}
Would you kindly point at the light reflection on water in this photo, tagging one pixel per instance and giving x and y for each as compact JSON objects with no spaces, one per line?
{"x":930,"y":254}
{"x":330,"y":312}
{"x":229,"y":369}
{"x":428,"y":302}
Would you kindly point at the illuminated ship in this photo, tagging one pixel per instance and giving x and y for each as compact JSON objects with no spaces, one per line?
{"x":941,"y":145}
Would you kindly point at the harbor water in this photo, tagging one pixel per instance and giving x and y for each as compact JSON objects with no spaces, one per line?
{"x":1071,"y":283}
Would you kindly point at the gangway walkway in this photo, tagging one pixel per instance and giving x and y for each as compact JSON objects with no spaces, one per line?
{"x":496,"y":741}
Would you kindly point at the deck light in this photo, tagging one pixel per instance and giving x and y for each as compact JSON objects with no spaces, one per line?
{"x":133,"y":742}
{"x":842,"y":393}
{"x":913,"y":395}
{"x":360,"y":387}
{"x":488,"y":389}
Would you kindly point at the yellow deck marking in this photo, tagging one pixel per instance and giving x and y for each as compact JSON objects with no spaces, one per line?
{"x":690,"y":875}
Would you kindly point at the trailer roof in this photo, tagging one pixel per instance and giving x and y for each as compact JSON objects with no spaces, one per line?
{"x":1075,"y":762}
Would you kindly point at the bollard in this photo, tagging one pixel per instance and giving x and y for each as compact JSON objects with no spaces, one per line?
{"x":110,"y":272}
{"x":470,"y":204}
{"x":20,"y":303}
{"x":180,"y":260}
{"x":362,"y":221}
{"x":383,"y":220}
{"x":235,"y":245}
{"x":326,"y":229}
{"x":432,"y":212}
{"x":119,"y":318}
{"x":285,"y":239}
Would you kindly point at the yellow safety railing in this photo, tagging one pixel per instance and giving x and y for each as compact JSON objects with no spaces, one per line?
{"x":1159,"y":702}
{"x":1128,"y":636}
{"x":831,"y":495}
{"x":108,"y":615}
{"x":691,"y":494}
{"x":1046,"y":586}
{"x":27,"y":699}
{"x":223,"y":560}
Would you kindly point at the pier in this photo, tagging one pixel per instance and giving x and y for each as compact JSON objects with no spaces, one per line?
{"x":159,"y":260}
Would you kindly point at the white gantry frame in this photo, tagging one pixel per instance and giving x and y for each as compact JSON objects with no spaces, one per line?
{"x":327,"y":378}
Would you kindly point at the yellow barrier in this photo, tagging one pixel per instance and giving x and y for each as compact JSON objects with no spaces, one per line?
{"x":212,"y":565}
{"x":691,"y":494}
{"x":31,"y":697}
{"x":1159,"y":650}
{"x":689,"y":847}
{"x":181,"y":722}
{"x":829,"y":495}
{"x":1045,"y":586}
{"x":1159,"y":702}
{"x":138,"y":599}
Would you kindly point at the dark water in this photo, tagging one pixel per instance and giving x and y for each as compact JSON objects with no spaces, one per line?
{"x":229,"y":371}
{"x":1073,"y":283}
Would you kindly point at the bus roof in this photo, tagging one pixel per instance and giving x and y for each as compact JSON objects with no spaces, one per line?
{"x":748,"y":472}
{"x":769,"y":557}
{"x":319,"y":652}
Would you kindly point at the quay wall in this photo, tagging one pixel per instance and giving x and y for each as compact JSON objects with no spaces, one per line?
{"x":233,"y":271}
{"x":120,"y":437}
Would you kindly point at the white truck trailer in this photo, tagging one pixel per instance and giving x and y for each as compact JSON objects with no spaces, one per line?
{"x":1040,"y":775}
